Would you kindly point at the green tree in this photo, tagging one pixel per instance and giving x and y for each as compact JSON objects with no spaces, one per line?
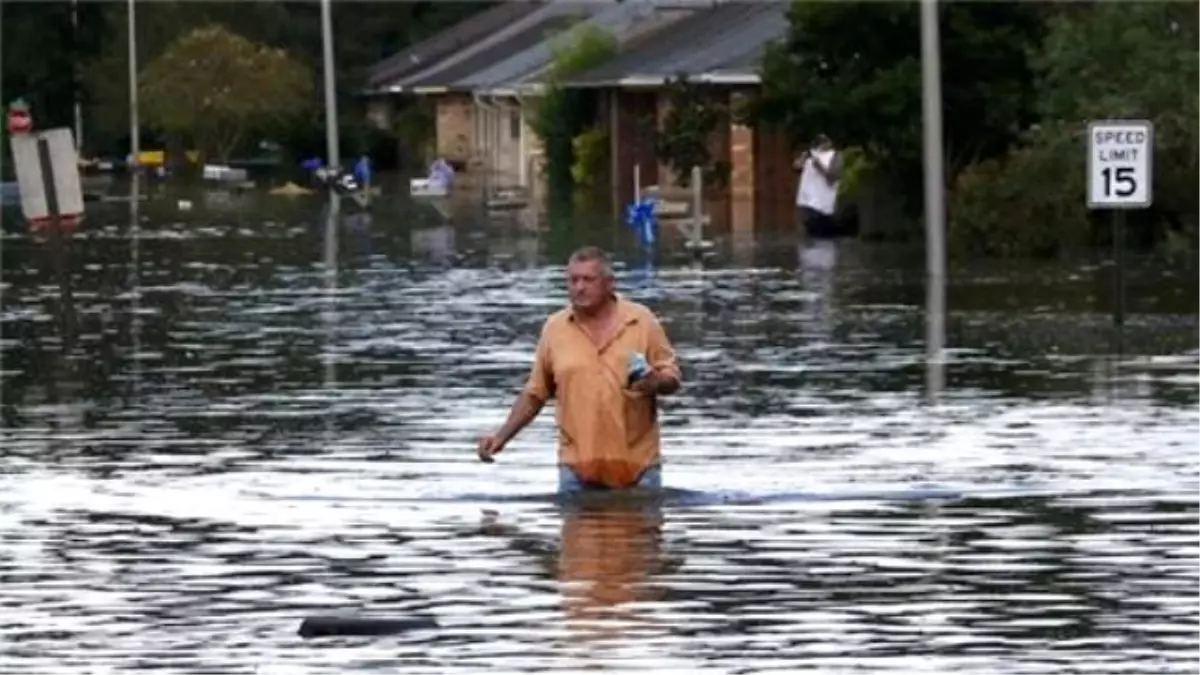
{"x":216,"y":88}
{"x":561,"y":114}
{"x":364,"y":32}
{"x":1099,"y":61}
{"x":852,"y":70}
{"x":694,"y":114}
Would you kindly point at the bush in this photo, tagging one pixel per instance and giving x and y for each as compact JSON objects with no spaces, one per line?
{"x":1028,"y":203}
{"x":589,"y":167}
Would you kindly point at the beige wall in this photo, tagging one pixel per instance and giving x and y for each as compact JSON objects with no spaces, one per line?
{"x":455,"y":127}
{"x":499,"y":139}
{"x":741,"y":178}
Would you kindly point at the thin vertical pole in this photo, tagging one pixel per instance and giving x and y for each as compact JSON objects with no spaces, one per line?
{"x":333,"y":161}
{"x":1118,"y":237}
{"x":135,"y":142}
{"x":935,"y":205}
{"x":78,"y":104}
{"x":135,"y":149}
{"x":3,"y":105}
{"x":331,"y":118}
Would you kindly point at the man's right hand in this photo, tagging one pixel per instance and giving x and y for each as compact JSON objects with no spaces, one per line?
{"x":489,"y":446}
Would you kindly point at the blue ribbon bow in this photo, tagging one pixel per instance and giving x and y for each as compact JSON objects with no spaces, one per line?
{"x":641,"y":217}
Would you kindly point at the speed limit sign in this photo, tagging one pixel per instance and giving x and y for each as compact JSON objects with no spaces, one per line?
{"x":1120,"y":164}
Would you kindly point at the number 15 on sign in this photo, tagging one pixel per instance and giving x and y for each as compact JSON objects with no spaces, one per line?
{"x":1120,"y":164}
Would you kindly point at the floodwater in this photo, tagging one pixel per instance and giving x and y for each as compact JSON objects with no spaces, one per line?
{"x":200,"y":452}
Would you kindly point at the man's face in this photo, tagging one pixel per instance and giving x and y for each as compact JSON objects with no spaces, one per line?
{"x":588,"y":284}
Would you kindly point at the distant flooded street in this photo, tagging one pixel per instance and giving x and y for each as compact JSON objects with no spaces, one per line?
{"x":201,"y":451}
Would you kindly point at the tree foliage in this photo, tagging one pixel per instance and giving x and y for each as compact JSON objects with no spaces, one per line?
{"x":852,"y":70}
{"x":694,"y":114}
{"x":216,"y":87}
{"x":1099,"y":61}
{"x":560,"y":113}
{"x":48,"y":61}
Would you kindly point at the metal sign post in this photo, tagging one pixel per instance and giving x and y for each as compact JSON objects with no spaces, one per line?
{"x":334,"y":163}
{"x":1120,"y":168}
{"x":935,"y":204}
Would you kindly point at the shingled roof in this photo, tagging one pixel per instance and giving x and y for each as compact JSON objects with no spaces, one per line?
{"x":518,"y":35}
{"x":723,"y":43}
{"x":624,"y":21}
{"x":427,"y":52}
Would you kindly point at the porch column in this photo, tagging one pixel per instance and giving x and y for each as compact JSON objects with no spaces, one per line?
{"x":742,"y":186}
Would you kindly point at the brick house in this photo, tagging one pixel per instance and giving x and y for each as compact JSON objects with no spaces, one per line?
{"x":482,"y":91}
{"x":477,"y":132}
{"x":389,"y":82}
{"x":480,"y":74}
{"x":720,"y":47}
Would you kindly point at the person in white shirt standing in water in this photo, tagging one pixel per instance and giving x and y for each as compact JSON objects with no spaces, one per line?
{"x":820,"y":171}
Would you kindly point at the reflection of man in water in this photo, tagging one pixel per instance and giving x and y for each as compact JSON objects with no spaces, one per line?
{"x":605,"y":360}
{"x":609,"y":553}
{"x":820,"y":169}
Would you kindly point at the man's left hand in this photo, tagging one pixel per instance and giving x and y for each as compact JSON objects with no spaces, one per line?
{"x":648,"y":385}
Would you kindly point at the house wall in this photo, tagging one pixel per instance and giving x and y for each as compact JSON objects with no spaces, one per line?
{"x":456,"y":127}
{"x":717,"y":196}
{"x":774,"y":181}
{"x":498,"y":150}
{"x":631,"y":122}
{"x":742,"y":193}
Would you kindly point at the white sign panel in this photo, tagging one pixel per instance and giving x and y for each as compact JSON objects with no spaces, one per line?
{"x":1120,"y":164}
{"x":62,"y":170}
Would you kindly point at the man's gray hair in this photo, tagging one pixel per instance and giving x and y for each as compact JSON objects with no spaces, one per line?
{"x":593,"y":253}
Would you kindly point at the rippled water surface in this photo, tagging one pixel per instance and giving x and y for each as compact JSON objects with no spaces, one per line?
{"x":200,"y":451}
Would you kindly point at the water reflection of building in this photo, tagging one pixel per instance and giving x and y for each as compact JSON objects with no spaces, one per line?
{"x":434,"y":243}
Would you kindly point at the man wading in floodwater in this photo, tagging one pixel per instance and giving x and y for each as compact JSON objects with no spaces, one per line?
{"x":606,"y":360}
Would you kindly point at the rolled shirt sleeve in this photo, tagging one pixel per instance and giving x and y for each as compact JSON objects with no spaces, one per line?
{"x":660,"y":353}
{"x":540,"y":384}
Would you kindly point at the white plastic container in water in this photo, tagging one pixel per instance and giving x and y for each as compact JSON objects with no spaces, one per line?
{"x":225,"y":174}
{"x":424,"y":187}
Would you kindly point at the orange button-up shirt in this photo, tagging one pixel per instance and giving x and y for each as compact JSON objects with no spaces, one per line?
{"x":607,"y":433}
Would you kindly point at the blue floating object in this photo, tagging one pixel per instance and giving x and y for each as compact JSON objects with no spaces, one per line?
{"x":641,"y":217}
{"x":362,"y":170}
{"x":312,"y":164}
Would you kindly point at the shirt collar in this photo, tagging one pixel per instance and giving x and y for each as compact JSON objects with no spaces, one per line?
{"x":625,"y":313}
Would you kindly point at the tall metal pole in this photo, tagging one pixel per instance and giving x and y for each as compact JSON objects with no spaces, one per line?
{"x":935,"y":205}
{"x":333,"y":161}
{"x":78,"y":104}
{"x":135,"y":149}
{"x":135,"y":143}
{"x":331,"y":119}
{"x":4,"y":106}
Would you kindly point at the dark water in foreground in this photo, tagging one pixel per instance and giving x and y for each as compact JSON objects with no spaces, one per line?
{"x":184,"y":476}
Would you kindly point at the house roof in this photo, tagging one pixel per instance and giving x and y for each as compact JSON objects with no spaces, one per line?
{"x":444,"y":44}
{"x":624,"y":21}
{"x":722,"y":43}
{"x":516,"y":36}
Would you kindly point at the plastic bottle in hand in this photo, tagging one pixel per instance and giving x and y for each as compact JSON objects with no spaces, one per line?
{"x":638,"y":367}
